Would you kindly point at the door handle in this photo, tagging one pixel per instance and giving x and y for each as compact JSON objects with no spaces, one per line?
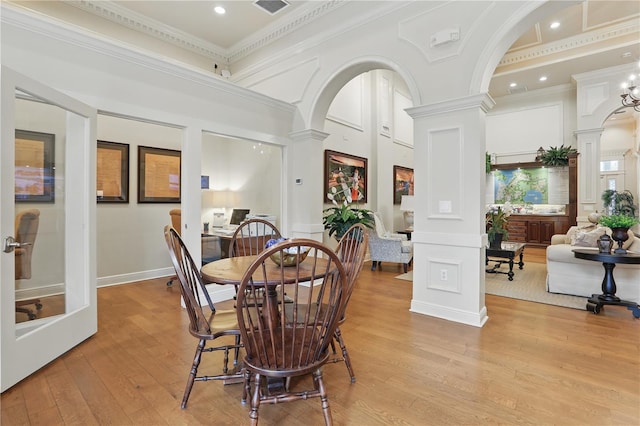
{"x":10,"y":244}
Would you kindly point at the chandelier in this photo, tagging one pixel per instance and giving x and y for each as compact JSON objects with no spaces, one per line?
{"x":631,"y":93}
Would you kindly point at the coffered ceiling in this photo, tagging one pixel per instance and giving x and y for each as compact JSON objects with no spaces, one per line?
{"x":592,"y":35}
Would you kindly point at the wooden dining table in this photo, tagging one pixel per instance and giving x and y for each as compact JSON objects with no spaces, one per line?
{"x":229,"y":271}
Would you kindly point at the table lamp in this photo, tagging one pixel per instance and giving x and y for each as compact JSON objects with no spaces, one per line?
{"x":407,"y":206}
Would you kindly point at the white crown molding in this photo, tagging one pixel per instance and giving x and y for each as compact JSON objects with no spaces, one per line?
{"x":76,"y":36}
{"x":128,"y":18}
{"x":337,"y":29}
{"x":592,"y":37}
{"x":301,"y":17}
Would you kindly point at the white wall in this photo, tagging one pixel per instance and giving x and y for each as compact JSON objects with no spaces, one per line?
{"x":248,"y":173}
{"x":519,"y":124}
{"x":354,"y":124}
{"x":130,"y":237}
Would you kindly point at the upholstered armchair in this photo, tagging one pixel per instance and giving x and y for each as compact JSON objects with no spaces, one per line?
{"x":385,"y":246}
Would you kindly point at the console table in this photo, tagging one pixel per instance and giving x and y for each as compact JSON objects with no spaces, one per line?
{"x":608,"y":296}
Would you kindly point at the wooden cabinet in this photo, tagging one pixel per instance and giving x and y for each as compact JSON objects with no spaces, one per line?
{"x":536,"y":230}
{"x":517,"y":228}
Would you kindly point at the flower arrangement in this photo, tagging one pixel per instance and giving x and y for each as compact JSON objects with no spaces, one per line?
{"x":496,"y":221}
{"x":340,"y":218}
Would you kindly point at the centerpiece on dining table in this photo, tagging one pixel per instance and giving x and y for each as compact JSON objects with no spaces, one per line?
{"x":287,"y":257}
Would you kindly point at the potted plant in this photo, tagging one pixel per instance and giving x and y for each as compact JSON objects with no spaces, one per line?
{"x":339,"y":219}
{"x":555,"y":156}
{"x":497,"y":227}
{"x":619,"y":224}
{"x":619,"y":202}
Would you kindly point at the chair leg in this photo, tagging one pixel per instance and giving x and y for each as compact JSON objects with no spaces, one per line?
{"x":247,"y":386}
{"x":319,"y":384}
{"x":374,"y":264}
{"x":255,"y":401}
{"x":345,"y":354}
{"x":193,"y":373}
{"x":236,"y":353}
{"x":405,"y":267}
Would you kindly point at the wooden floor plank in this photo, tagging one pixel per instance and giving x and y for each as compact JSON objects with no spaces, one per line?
{"x":530,"y":364}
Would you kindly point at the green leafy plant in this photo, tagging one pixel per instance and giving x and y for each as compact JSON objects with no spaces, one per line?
{"x":618,"y":221}
{"x":555,"y":156}
{"x":487,"y":162}
{"x":497,"y":224}
{"x":619,"y":202}
{"x":339,"y":219}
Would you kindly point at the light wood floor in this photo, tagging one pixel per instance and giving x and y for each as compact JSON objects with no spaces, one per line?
{"x":530,"y":364}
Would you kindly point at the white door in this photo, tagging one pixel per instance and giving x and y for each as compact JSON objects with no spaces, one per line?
{"x":47,"y":167}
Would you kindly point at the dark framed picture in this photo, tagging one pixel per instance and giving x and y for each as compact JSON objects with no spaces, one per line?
{"x":158,"y":175}
{"x":34,"y":167}
{"x":402,"y":183}
{"x":112,"y":172}
{"x":345,"y":178}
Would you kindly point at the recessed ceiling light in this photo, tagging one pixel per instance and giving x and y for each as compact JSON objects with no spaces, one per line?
{"x":219,"y":10}
{"x":543,"y":78}
{"x":513,"y":84}
{"x":554,"y":25}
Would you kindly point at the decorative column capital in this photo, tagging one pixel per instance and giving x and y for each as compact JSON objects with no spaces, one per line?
{"x":308,"y":134}
{"x":482,"y":101}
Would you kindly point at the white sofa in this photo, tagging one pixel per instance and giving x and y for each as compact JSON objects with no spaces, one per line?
{"x":568,"y":275}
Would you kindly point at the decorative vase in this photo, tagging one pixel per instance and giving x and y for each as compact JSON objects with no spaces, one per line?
{"x":605,"y":243}
{"x":594,"y":217}
{"x":497,"y":241}
{"x":620,"y":235}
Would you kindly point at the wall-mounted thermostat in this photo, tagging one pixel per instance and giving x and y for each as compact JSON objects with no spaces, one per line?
{"x":298,"y":181}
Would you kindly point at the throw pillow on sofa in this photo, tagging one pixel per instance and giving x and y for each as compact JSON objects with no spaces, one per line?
{"x":587,"y":238}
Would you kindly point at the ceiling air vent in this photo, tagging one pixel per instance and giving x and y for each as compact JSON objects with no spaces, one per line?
{"x":519,"y":89}
{"x":271,"y":6}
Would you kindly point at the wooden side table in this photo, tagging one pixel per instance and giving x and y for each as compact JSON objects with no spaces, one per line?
{"x":608,"y":296}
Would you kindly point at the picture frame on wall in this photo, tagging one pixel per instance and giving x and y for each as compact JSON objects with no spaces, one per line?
{"x":34,"y":167}
{"x":158,"y":175}
{"x":112,"y":172}
{"x":345,"y":178}
{"x":402,"y":183}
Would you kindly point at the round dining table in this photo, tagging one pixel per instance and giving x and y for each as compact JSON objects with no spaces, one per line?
{"x":231,"y":270}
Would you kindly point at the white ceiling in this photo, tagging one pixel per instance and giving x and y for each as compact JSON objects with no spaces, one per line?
{"x":594,"y":34}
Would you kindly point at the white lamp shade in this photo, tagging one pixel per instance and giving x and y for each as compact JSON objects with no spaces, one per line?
{"x":407,"y":203}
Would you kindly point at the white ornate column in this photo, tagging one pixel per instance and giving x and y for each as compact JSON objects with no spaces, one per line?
{"x":588,"y":142}
{"x":302,"y":200}
{"x":449,"y":232}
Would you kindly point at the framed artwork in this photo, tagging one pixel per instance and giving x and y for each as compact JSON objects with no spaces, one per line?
{"x":345,"y":178}
{"x":402,"y":183}
{"x":112,"y":172}
{"x":158,"y":175}
{"x":34,"y":167}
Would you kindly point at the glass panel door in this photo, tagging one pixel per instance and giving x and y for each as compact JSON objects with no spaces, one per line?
{"x":47,"y":164}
